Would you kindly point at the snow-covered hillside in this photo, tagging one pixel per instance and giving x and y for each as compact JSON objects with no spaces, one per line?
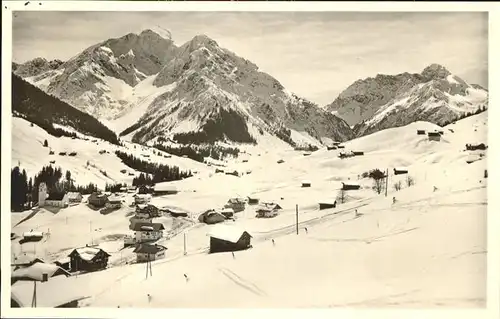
{"x":428,"y":249}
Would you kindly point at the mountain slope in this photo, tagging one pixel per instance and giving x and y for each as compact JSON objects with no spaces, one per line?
{"x":188,"y":92}
{"x":36,"y":106}
{"x":435,"y":95}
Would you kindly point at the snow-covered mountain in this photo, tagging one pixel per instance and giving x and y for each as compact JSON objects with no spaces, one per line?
{"x":147,"y":87}
{"x":386,"y":101}
{"x":35,"y":67}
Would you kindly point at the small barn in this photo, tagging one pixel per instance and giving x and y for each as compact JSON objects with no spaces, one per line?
{"x":176,"y":213}
{"x":211,"y":217}
{"x":326,"y":204}
{"x":400,"y":170}
{"x":331,"y":148}
{"x":420,"y":132}
{"x":340,"y":146}
{"x":280,"y":161}
{"x":233,"y":173}
{"x":336,"y":143}
{"x":475,"y":147}
{"x":358,"y":153}
{"x":306,"y":183}
{"x":306,"y":153}
{"x":434,"y":136}
{"x":164,"y":189}
{"x":237,"y":204}
{"x":145,"y":232}
{"x":225,"y":238}
{"x":64,"y":263}
{"x":148,"y":252}
{"x":253,"y":200}
{"x":350,"y":186}
{"x":227,"y":212}
{"x":97,"y":199}
{"x":88,"y":259}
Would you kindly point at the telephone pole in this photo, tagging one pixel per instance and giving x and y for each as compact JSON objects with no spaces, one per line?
{"x":386,"y":181}
{"x":185,"y":251}
{"x":297,"y":218}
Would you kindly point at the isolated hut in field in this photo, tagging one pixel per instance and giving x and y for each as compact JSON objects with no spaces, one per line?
{"x":176,"y":213}
{"x":400,"y":170}
{"x":225,"y":238}
{"x":306,"y":153}
{"x":280,"y":161}
{"x":164,"y":189}
{"x":434,"y":136}
{"x":358,"y":153}
{"x":306,"y":183}
{"x":420,"y":132}
{"x":331,"y":147}
{"x":88,"y":259}
{"x":344,"y":154}
{"x":474,"y":147}
{"x":148,"y":252}
{"x":326,"y":204}
{"x":218,"y":170}
{"x":97,"y":199}
{"x":146,"y":232}
{"x":233,"y":173}
{"x":336,"y":143}
{"x":237,"y":204}
{"x":340,"y":146}
{"x":253,"y":200}
{"x":350,"y":186}
{"x":211,"y":217}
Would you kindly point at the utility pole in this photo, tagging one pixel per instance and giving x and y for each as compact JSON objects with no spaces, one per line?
{"x":386,"y":181}
{"x":297,"y":218}
{"x":185,"y":251}
{"x":149,"y":270}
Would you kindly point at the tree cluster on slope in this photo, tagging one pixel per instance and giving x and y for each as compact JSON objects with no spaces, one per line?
{"x":224,"y":124}
{"x":36,"y":106}
{"x":160,"y":172}
{"x":198,"y":153}
{"x":24,"y":190}
{"x":480,"y":109}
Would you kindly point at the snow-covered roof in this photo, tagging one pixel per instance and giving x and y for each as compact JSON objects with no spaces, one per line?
{"x":63,"y":260}
{"x":165,"y":187}
{"x":36,"y":271}
{"x":227,"y":210}
{"x":52,"y":293}
{"x":33,"y":234}
{"x":74,"y":195}
{"x":306,"y":182}
{"x":327,"y":201}
{"x":226,"y":232}
{"x":351,"y":183}
{"x":401,"y":169}
{"x":88,"y":253}
{"x":114,"y":198}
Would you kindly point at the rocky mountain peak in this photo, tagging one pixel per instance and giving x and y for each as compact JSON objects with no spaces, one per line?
{"x":435,"y":71}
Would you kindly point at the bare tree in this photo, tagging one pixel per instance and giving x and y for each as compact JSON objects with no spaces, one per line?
{"x":398,"y":186}
{"x":378,"y":180}
{"x":378,"y":185}
{"x":410,"y":181}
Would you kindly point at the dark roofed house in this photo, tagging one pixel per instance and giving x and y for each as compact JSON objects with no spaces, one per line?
{"x":146,"y":232}
{"x":225,"y":238}
{"x":88,"y":259}
{"x":350,"y":186}
{"x":211,"y":217}
{"x":74,"y":197}
{"x":97,"y":199}
{"x":64,"y":263}
{"x":434,"y":136}
{"x":148,"y":252}
{"x":237,"y":204}
{"x":306,"y":183}
{"x":420,"y":132}
{"x":252,"y":200}
{"x":400,"y":170}
{"x":326,"y":204}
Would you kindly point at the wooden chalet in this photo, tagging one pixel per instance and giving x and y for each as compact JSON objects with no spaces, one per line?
{"x":211,"y":217}
{"x":97,"y":199}
{"x":225,"y":238}
{"x":74,"y":197}
{"x":434,"y":136}
{"x":327,"y":204}
{"x":88,"y":259}
{"x":331,"y":148}
{"x":306,"y":183}
{"x":400,"y":170}
{"x":147,"y":252}
{"x":350,"y":186}
{"x":146,"y":232}
{"x":420,"y":132}
{"x":237,"y":204}
{"x":358,"y":153}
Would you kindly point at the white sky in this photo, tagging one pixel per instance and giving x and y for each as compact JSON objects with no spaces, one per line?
{"x":314,"y":54}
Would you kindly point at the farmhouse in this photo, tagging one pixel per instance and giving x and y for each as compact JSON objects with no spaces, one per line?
{"x":400,"y":170}
{"x":74,"y":197}
{"x":306,"y":183}
{"x":225,"y":238}
{"x":32,"y":236}
{"x":37,"y":271}
{"x":326,"y":204}
{"x":227,"y":212}
{"x":211,"y":217}
{"x":237,"y":204}
{"x":88,"y":259}
{"x":164,"y":189}
{"x":147,"y":252}
{"x":145,"y":232}
{"x":141,"y":199}
{"x":434,"y":136}
{"x":350,"y":186}
{"x":97,"y":199}
{"x":114,"y":202}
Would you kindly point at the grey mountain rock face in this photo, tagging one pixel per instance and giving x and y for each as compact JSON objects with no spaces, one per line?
{"x":191,"y":88}
{"x":386,"y":101}
{"x":35,"y":67}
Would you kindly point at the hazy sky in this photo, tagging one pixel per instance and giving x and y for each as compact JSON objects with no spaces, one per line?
{"x":314,"y":54}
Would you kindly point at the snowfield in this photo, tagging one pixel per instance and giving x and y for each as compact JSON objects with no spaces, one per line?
{"x":428,"y":249}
